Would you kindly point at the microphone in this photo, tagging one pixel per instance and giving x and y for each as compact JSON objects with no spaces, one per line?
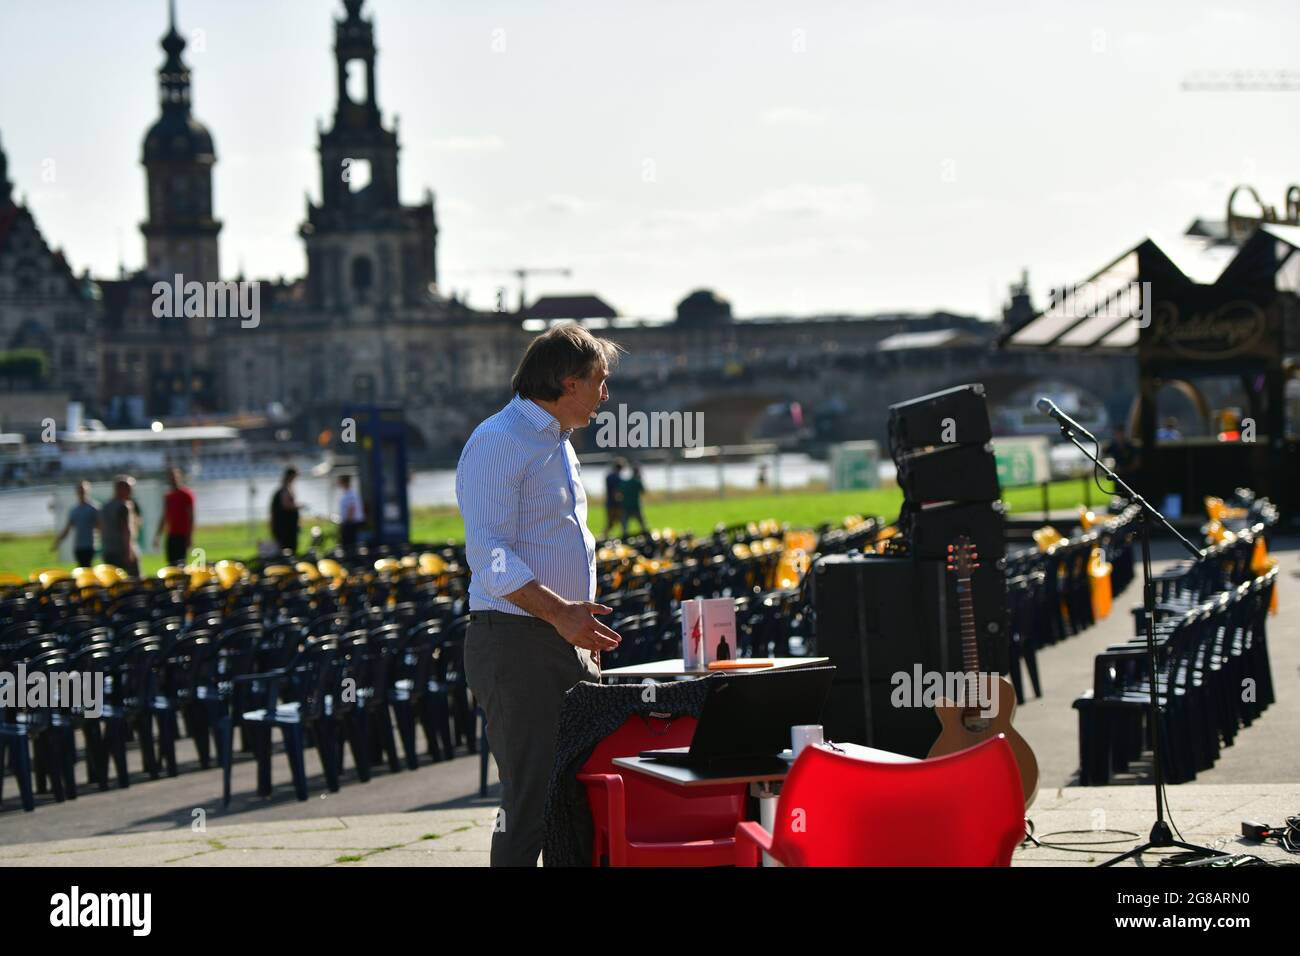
{"x":1047,"y":407}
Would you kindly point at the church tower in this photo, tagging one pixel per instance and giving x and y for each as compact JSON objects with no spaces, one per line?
{"x":180,"y":234}
{"x":365,"y":250}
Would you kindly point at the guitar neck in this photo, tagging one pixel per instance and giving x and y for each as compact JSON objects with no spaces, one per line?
{"x":966,"y":608}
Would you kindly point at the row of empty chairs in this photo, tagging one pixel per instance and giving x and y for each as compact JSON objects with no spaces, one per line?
{"x":1212,"y":675}
{"x":1050,"y":592}
{"x":360,"y":658}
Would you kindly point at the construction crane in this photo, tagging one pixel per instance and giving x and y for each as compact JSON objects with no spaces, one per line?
{"x":522,"y":274}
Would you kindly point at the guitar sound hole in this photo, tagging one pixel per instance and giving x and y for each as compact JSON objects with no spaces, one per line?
{"x":973,"y":722}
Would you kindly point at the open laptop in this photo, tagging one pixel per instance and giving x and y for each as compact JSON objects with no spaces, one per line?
{"x":748,"y":717}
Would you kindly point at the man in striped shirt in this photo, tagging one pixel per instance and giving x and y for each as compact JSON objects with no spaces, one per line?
{"x":533,"y":633}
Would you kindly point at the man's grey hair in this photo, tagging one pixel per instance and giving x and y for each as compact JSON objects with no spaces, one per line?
{"x":565,"y":351}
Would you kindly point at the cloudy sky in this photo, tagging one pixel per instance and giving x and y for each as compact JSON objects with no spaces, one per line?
{"x":798,"y":157}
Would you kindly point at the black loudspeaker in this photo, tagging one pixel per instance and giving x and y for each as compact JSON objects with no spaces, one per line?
{"x":877,"y":618}
{"x":954,"y":416}
{"x":929,"y":531}
{"x":952,"y":473}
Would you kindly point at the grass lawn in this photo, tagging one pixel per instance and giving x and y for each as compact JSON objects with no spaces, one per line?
{"x":26,"y":553}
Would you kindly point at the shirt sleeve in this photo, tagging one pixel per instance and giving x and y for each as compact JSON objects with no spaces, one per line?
{"x":488,"y":480}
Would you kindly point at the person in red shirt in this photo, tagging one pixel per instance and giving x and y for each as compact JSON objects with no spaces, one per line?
{"x":177,"y":519}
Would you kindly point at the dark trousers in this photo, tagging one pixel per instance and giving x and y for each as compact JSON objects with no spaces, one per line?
{"x":131,"y":567}
{"x":519,"y":669}
{"x":348,"y":532}
{"x":177,"y":547}
{"x":85,"y":556}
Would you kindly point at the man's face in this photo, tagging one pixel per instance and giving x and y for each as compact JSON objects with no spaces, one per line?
{"x":587,"y":396}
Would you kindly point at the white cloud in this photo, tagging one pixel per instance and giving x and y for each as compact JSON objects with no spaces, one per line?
{"x":802,"y":200}
{"x":468,"y":144}
{"x":560,"y":204}
{"x":793,"y":116}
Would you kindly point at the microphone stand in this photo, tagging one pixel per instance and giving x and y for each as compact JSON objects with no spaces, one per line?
{"x":1162,"y":836}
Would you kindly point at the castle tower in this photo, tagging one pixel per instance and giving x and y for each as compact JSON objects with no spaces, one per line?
{"x":180,"y":233}
{"x":365,"y":250}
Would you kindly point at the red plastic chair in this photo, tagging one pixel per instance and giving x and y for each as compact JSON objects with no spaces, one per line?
{"x":965,"y":809}
{"x":640,"y":821}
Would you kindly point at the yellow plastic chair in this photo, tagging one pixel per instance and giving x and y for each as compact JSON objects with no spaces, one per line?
{"x":199,"y":575}
{"x":85,"y":577}
{"x":308,"y":570}
{"x":801,"y":540}
{"x":331,"y":569}
{"x":1099,"y":585}
{"x":431,"y":563}
{"x":1047,"y":538}
{"x":278,"y":571}
{"x":109,"y":574}
{"x":9,"y":578}
{"x":230,"y":573}
{"x":388,"y":565}
{"x":791,"y":569}
{"x":49,"y":576}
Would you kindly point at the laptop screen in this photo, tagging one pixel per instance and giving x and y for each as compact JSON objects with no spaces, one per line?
{"x":751,"y":714}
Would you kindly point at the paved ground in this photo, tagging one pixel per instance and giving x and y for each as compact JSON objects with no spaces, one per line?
{"x":459,"y":836}
{"x":401,"y":809}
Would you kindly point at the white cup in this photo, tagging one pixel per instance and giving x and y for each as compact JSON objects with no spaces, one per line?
{"x":803,"y":735}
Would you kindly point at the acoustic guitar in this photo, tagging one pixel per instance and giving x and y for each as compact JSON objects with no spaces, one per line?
{"x":964,"y":723}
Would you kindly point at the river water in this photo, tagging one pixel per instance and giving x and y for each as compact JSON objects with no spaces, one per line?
{"x":33,"y":510}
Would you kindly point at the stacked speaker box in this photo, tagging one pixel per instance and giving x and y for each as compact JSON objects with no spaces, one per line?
{"x":878,"y":617}
{"x":942,"y":447}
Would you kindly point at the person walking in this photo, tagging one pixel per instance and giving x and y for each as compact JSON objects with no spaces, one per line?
{"x":83,"y":521}
{"x":284,"y":513}
{"x":119,"y":525}
{"x":633,"y":489}
{"x":614,"y":496}
{"x":177,"y":519}
{"x":533,"y":631}
{"x":352,"y":514}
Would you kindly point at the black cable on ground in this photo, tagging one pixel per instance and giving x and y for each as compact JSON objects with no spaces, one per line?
{"x":1091,"y":846}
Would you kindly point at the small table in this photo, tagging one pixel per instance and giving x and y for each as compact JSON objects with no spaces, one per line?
{"x":764,"y":779}
{"x":676,"y":667}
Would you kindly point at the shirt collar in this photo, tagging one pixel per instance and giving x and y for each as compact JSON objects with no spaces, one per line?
{"x":537,"y":416}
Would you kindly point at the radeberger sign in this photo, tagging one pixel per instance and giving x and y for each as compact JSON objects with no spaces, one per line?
{"x":1231,"y":329}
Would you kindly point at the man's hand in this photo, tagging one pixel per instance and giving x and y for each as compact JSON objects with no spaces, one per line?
{"x":576,"y":625}
{"x":572,"y":619}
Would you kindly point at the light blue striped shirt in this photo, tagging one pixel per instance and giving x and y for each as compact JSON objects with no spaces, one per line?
{"x":519,"y":488}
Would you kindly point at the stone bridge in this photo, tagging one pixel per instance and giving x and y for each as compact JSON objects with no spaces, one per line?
{"x":735,"y":399}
